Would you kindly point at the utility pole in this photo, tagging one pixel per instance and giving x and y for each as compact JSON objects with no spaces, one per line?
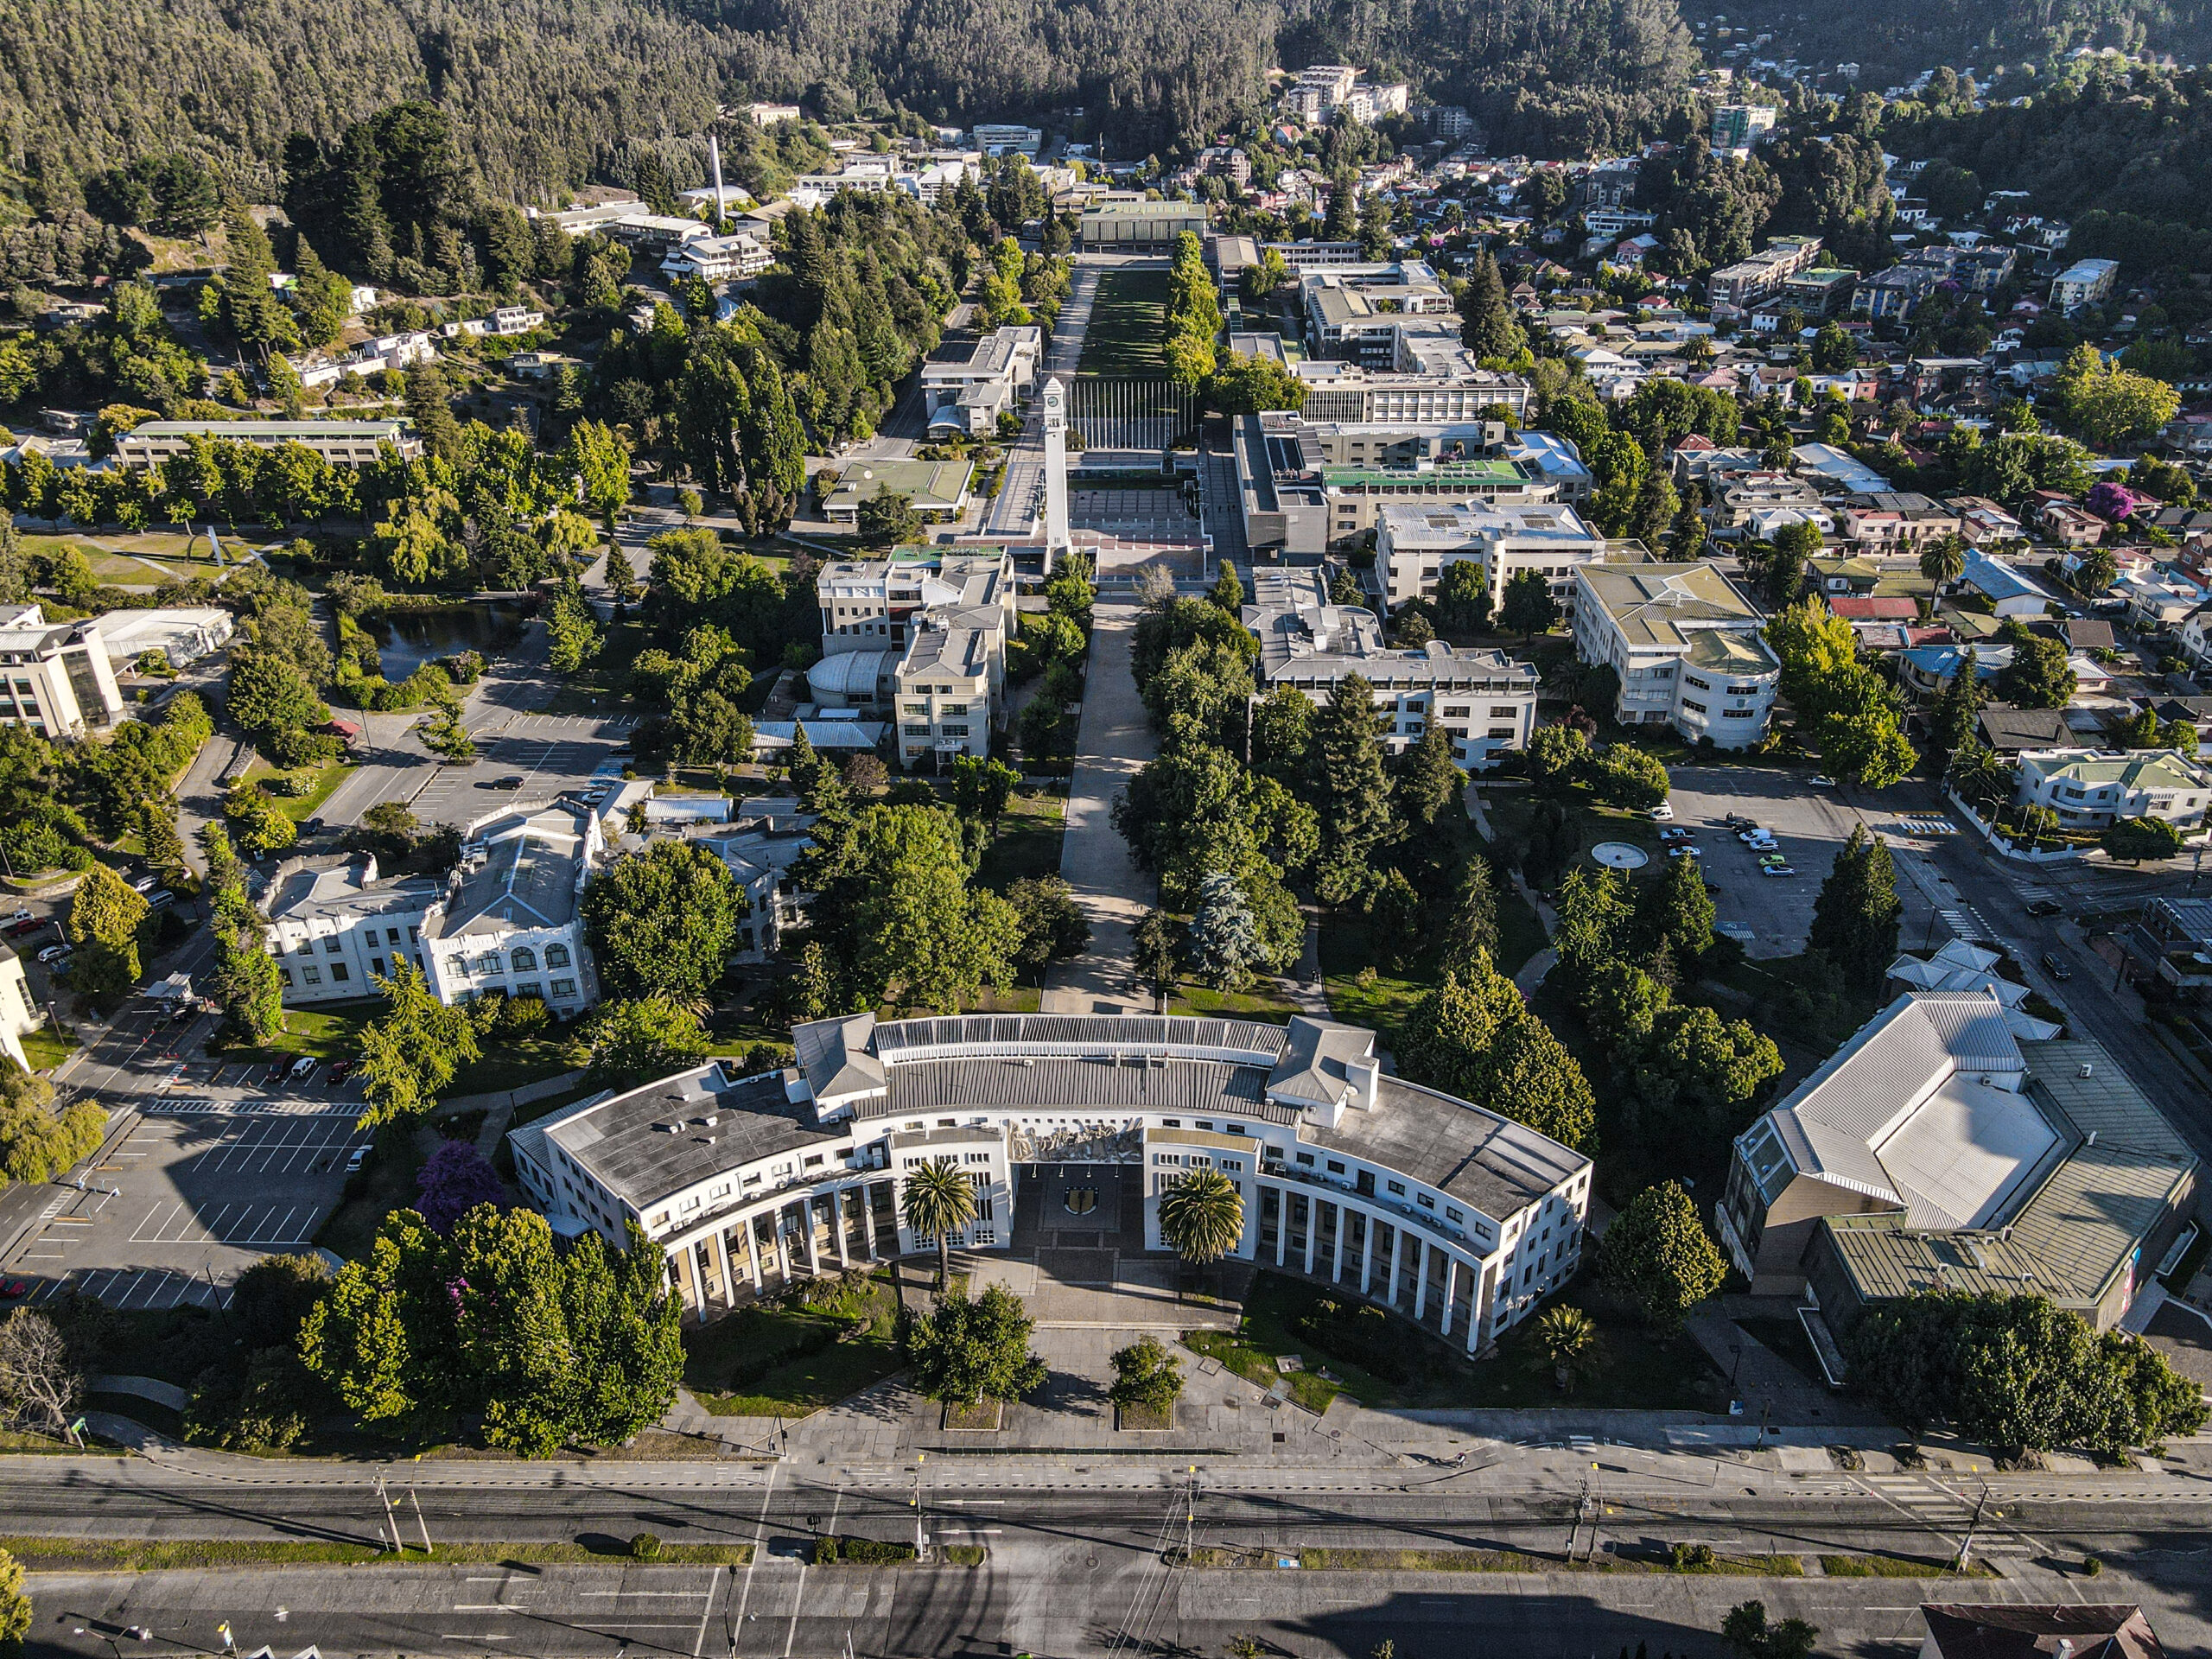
{"x":920,"y":1457}
{"x":1966,"y":1548}
{"x":398,"y":1547}
{"x":1191,"y":1514}
{"x":420,"y":1521}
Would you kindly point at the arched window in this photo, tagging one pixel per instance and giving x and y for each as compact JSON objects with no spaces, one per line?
{"x":525,"y":961}
{"x":556,"y":956}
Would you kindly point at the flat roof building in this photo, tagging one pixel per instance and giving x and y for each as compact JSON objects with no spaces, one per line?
{"x":938,"y":487}
{"x":1447,"y":1213}
{"x":1484,"y":702}
{"x":342,"y":443}
{"x":1414,"y":545}
{"x":1686,"y":644}
{"x":58,"y":677}
{"x":1140,"y":226}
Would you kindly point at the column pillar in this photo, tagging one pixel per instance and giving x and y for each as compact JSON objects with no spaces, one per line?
{"x":1312,"y":1231}
{"x":1451,"y":1287}
{"x":753,"y":1254}
{"x":1282,"y":1224}
{"x":721,"y":1265}
{"x":837,"y":1217}
{"x":868,"y":1219}
{"x":806,"y":1234}
{"x":1337,"y":1264}
{"x":1397,"y":1252}
{"x":1367,"y":1257}
{"x":1421,"y":1278}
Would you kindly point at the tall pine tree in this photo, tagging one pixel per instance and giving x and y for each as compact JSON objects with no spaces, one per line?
{"x":1855,"y":917}
{"x":1351,"y":790}
{"x":1486,"y":324}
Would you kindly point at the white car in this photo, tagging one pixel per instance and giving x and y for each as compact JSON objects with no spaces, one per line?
{"x":1666,"y":836}
{"x":303,"y":1068}
{"x":54,"y":953}
{"x":1777,"y":869}
{"x":1822,"y":780}
{"x":1662,"y":813}
{"x":1685,"y":852}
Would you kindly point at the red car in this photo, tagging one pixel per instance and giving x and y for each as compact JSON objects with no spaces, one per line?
{"x":27,"y":924}
{"x":13,"y":1289}
{"x":338,"y":1071}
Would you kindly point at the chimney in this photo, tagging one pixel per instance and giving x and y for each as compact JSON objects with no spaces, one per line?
{"x":714,"y":162}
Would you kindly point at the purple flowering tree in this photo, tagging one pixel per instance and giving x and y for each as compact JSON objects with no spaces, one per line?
{"x":2113,"y":502}
{"x":454,"y":1182}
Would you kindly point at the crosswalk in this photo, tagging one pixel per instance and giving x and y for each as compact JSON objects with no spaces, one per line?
{"x":1944,"y":1509}
{"x":1966,"y":922}
{"x":202,"y":1107}
{"x":1924,"y":828}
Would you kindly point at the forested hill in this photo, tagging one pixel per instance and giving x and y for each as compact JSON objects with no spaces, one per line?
{"x":537,"y":89}
{"x":1893,"y":40}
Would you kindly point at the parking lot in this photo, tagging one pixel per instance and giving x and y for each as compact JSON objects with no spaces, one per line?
{"x":1810,"y":824}
{"x":188,"y":1196}
{"x":549,"y":753}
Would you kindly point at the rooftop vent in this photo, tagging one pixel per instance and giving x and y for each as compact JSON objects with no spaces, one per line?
{"x":2088,"y":1069}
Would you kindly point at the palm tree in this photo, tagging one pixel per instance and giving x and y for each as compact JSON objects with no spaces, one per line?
{"x":1943,"y":560}
{"x":939,"y":1200}
{"x":1202,"y":1216}
{"x":1568,"y":1338}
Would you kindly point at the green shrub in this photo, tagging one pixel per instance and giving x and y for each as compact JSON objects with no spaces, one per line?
{"x":645,"y":1548}
{"x":1694,"y":1558}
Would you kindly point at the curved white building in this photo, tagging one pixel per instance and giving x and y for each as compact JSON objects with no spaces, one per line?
{"x":1457,"y":1218}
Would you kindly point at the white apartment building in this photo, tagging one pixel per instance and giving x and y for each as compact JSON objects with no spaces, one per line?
{"x":1484,"y":700}
{"x":1686,"y":644}
{"x":60,"y":682}
{"x":506,"y":918}
{"x":1437,"y":1209}
{"x":920,"y":636}
{"x":2086,"y":282}
{"x":728,"y":258}
{"x":1413,"y":546}
{"x":968,"y":385}
{"x":20,"y":1015}
{"x":1353,"y":312}
{"x":342,"y":443}
{"x":2094,"y":789}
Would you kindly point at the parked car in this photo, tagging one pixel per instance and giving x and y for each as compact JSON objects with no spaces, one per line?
{"x":19,"y":913}
{"x":275,"y":1074}
{"x":355,"y":1158}
{"x":1685,"y":852}
{"x":1664,"y":813}
{"x":22,"y":924}
{"x":2056,"y":966}
{"x":2046,"y":907}
{"x":1738,"y":821}
{"x":1774,"y":858}
{"x":15,"y":1290}
{"x":1777,"y":869}
{"x":160,"y":899}
{"x":1666,"y":836}
{"x":185,"y":1012}
{"x":303,"y":1068}
{"x":54,"y":953}
{"x":145,"y":882}
{"x":339,"y":1070}
{"x":511,"y":781}
{"x":1822,"y":780}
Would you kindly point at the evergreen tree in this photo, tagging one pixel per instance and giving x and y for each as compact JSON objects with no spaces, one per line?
{"x":1486,"y":324}
{"x":1951,"y":724}
{"x":1658,"y":1254}
{"x":1656,"y":508}
{"x":164,"y":847}
{"x":1428,"y":779}
{"x":412,"y":1051}
{"x":104,"y":916}
{"x":1224,"y":941}
{"x":1350,"y":790}
{"x":1476,"y":1038}
{"x":1530,"y":608}
{"x":1228,"y":591}
{"x":1676,"y":913}
{"x":1472,"y":928}
{"x":1855,"y":917}
{"x":429,"y":409}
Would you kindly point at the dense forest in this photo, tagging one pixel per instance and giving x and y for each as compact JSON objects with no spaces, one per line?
{"x":1894,"y":39}
{"x":546,"y":94}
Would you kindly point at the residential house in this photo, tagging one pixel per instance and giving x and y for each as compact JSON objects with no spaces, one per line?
{"x":1685,"y":643}
{"x":1982,"y":522}
{"x":2013,"y":731}
{"x":2094,"y":789}
{"x":2015,"y":1630}
{"x":2010,"y":589}
{"x":1484,"y":700}
{"x":1756,"y":504}
{"x":1889,"y":520}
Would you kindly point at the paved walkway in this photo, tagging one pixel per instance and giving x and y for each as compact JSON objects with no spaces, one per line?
{"x":1113,"y":741}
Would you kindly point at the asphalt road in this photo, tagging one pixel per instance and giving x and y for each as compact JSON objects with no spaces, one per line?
{"x":1069,"y":1570}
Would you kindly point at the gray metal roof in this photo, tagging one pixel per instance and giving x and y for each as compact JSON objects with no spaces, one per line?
{"x":654,"y":1142}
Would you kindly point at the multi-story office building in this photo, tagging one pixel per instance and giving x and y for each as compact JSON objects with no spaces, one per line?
{"x":1484,"y":702}
{"x":1306,"y":485}
{"x":966,"y":385}
{"x":58,"y":676}
{"x":342,"y":443}
{"x":1687,"y":647}
{"x":1436,"y":1208}
{"x":1337,"y":390}
{"x":1414,"y":545}
{"x":920,"y":637}
{"x":1739,"y":126}
{"x":1740,"y":287}
{"x":1353,"y":312}
{"x":506,"y":916}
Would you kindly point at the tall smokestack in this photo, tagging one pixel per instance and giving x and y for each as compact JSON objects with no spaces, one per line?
{"x":714,"y":162}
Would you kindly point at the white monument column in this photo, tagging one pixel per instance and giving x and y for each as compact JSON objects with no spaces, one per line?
{"x":1056,"y":469}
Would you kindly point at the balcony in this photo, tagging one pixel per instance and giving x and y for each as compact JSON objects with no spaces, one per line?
{"x":1340,"y":1187}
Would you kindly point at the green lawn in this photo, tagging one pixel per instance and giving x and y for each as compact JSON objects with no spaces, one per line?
{"x":1127,"y":334}
{"x":331,"y":1033}
{"x":513,"y":1063}
{"x":1262,"y":1003}
{"x":47,"y":1048}
{"x":771,"y":1360}
{"x":300,"y":808}
{"x":601,"y":683}
{"x":1028,"y":842}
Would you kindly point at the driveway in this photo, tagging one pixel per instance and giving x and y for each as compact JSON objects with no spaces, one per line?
{"x":1113,"y":740}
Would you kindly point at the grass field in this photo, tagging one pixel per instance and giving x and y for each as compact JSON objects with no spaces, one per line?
{"x":768,"y":1361}
{"x":1128,"y":334}
{"x":121,"y":559}
{"x":1028,"y":842}
{"x":300,"y":808}
{"x":47,"y":1048}
{"x":329,"y":1033}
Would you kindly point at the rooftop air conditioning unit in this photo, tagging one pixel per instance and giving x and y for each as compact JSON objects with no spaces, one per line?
{"x":2087,"y":1068}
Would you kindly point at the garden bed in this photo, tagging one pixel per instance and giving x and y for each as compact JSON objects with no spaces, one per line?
{"x":792,"y":1358}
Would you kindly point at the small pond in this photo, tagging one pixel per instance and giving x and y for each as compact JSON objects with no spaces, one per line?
{"x":407,"y":639}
